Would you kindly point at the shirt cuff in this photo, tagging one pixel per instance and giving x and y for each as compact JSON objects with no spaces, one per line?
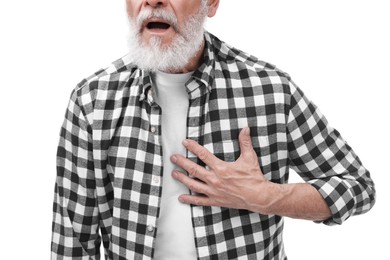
{"x":338,"y":195}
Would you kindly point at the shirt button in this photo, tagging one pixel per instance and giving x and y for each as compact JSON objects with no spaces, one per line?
{"x":153,"y":129}
{"x":150,"y":228}
{"x":156,"y":179}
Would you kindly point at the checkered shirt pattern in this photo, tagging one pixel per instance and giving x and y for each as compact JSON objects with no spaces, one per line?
{"x":110,"y":150}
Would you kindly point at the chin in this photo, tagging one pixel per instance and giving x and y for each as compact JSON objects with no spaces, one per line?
{"x":164,"y":41}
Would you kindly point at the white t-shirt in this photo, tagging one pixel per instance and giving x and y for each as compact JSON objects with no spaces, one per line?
{"x":175,"y":235}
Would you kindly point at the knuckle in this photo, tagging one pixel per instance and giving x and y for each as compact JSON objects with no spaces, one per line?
{"x":220,"y":168}
{"x":215,"y":182}
{"x":202,"y":154}
{"x":246,"y":141}
{"x":192,"y":186}
{"x":193,"y":170}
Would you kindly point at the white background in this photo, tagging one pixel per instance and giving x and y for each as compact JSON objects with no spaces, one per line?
{"x":336,"y":51}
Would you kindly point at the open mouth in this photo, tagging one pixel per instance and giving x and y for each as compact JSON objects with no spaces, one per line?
{"x":158,"y":26}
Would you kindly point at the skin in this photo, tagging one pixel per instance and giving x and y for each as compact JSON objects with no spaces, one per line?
{"x":241,"y":184}
{"x":181,"y":9}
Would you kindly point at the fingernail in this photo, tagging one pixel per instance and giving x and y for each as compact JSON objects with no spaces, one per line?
{"x":173,"y":158}
{"x":185,"y":143}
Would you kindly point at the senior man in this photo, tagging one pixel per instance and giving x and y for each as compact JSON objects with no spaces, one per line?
{"x":182,"y":150}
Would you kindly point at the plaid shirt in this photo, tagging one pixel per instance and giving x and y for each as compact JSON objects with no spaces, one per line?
{"x":109,"y":159}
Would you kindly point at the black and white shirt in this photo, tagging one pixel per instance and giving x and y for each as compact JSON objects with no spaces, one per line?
{"x":110,"y":152}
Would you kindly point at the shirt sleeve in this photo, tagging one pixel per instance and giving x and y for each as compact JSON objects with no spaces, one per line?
{"x":75,"y":213}
{"x":320,"y":155}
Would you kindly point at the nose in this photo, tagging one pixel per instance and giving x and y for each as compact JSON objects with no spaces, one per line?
{"x":156,"y":3}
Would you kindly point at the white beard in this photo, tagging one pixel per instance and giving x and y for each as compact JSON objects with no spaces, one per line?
{"x":152,"y":55}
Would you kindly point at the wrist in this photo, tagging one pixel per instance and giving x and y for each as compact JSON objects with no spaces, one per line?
{"x":268,"y":200}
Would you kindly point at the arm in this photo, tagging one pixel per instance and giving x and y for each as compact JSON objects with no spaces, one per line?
{"x":75,"y":215}
{"x":299,"y":200}
{"x":242,"y":185}
{"x":324,"y":160}
{"x":337,"y":185}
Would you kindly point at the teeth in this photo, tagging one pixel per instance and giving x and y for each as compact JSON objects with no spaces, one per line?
{"x":158,"y":25}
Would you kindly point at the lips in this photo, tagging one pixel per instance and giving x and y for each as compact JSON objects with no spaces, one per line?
{"x":158,"y":25}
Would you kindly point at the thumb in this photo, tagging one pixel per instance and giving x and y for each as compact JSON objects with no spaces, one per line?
{"x":245,"y":141}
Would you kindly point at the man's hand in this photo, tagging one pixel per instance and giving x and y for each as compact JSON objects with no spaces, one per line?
{"x":239,"y":185}
{"x":242,"y":185}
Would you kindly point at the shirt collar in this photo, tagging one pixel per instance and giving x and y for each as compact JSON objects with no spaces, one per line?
{"x":200,"y":83}
{"x":205,"y":72}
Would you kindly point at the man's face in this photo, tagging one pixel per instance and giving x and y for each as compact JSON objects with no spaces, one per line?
{"x":167,"y":35}
{"x":166,"y":29}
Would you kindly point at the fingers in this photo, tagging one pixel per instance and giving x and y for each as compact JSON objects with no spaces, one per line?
{"x":245,"y":141}
{"x":195,"y":200}
{"x":202,"y":153}
{"x":189,"y":166}
{"x":192,"y":184}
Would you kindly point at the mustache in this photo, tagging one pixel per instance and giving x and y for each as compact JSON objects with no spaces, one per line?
{"x":156,"y":13}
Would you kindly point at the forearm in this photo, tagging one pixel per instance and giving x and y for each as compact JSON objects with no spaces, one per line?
{"x":300,"y":200}
{"x":242,"y":185}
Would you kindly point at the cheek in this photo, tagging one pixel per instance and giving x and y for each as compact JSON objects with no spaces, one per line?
{"x":185,"y":8}
{"x":132,"y":7}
